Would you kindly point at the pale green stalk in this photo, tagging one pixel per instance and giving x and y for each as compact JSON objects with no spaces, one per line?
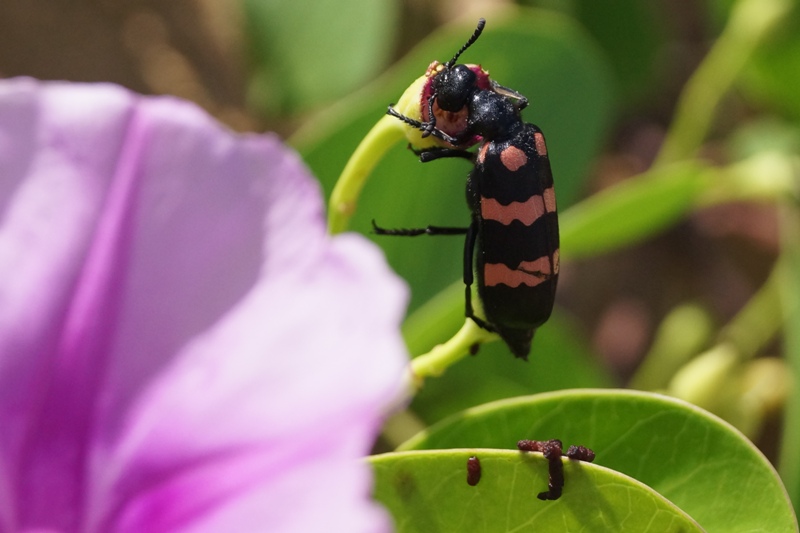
{"x":342,"y":204}
{"x":789,"y":464}
{"x":750,"y":21}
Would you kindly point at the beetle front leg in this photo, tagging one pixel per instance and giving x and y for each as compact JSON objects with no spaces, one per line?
{"x":431,"y":154}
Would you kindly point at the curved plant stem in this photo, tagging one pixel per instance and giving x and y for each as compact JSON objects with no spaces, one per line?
{"x":789,"y":465}
{"x":757,"y":323}
{"x":750,"y":21}
{"x":442,"y":356}
{"x":383,"y":135}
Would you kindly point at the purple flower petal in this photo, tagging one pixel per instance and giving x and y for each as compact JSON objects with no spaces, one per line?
{"x":182,"y":348}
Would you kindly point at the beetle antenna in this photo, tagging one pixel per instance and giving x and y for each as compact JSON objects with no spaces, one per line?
{"x":427,"y":128}
{"x":475,"y":35}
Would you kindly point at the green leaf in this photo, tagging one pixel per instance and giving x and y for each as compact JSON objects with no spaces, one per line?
{"x":427,"y":492}
{"x":631,"y":33}
{"x":306,"y":52}
{"x":773,"y":75}
{"x":694,"y":459}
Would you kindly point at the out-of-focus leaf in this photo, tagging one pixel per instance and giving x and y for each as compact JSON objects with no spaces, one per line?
{"x":306,"y":53}
{"x":632,"y":33}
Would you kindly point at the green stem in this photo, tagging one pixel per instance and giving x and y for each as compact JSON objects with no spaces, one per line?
{"x":436,"y":361}
{"x":724,"y":379}
{"x":771,"y":177}
{"x":759,"y":321}
{"x":682,"y":334}
{"x":380,"y":138}
{"x":383,"y":135}
{"x":789,"y":464}
{"x":749,"y":22}
{"x":766,"y":176}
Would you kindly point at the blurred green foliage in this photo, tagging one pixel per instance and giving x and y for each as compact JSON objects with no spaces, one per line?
{"x":306,"y":53}
{"x":630,"y":34}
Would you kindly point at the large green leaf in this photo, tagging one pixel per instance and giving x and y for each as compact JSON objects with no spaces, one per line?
{"x":694,"y":459}
{"x":427,"y":492}
{"x":631,"y":32}
{"x":306,"y":52}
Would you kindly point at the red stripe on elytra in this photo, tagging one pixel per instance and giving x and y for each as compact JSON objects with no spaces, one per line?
{"x":541,"y":146}
{"x":530,"y":273}
{"x":526,"y":212}
{"x":550,"y":200}
{"x":513,"y":158}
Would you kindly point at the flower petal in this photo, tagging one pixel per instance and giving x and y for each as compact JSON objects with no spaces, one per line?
{"x":181,"y":345}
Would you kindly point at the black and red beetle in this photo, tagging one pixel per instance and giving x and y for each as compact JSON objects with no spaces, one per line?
{"x":510,"y":194}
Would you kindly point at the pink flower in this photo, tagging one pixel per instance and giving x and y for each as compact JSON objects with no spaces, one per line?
{"x":182,"y":347}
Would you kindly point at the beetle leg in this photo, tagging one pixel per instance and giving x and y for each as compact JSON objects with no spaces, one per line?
{"x":413,"y":232}
{"x":469,"y":250}
{"x":431,"y":154}
{"x":519,"y":101}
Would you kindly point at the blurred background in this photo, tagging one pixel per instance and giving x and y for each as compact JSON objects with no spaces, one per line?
{"x":669,"y":279}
